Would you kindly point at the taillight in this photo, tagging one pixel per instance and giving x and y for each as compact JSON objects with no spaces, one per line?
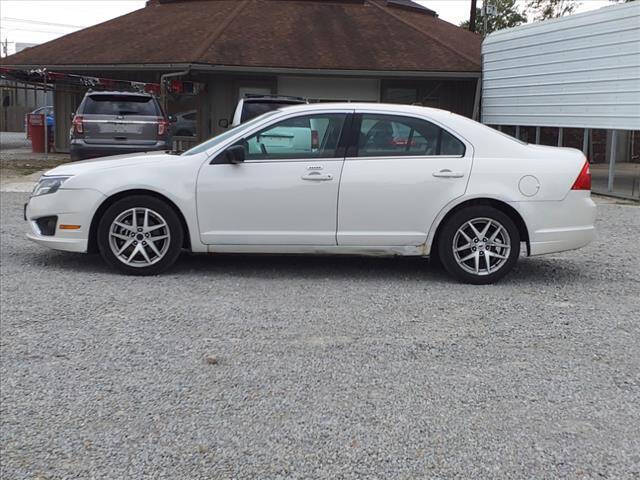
{"x":315,"y":140}
{"x":163,"y":126}
{"x":583,"y":182}
{"x":78,"y":126}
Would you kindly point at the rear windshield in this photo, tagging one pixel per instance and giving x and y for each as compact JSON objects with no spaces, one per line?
{"x":254,"y":109}
{"x":122,"y":105}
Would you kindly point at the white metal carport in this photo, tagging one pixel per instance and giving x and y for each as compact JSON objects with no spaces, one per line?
{"x":580,"y":71}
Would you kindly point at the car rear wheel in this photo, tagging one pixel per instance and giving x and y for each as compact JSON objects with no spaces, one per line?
{"x":479,"y":245}
{"x":140,"y":235}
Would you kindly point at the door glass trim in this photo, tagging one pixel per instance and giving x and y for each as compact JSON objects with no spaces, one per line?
{"x":406,"y":157}
{"x":296,"y":160}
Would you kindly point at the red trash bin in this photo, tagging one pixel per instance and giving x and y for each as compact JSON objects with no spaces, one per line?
{"x":36,"y":127}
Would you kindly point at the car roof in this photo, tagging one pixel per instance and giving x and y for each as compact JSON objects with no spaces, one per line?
{"x":275,"y":99}
{"x":118,"y":92}
{"x":380,"y":107}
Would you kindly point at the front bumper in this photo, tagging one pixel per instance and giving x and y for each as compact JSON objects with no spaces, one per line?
{"x":72,"y":207}
{"x":556,"y":226}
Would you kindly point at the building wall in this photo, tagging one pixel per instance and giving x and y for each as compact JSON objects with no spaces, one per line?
{"x":331,"y":89}
{"x":578,"y":71}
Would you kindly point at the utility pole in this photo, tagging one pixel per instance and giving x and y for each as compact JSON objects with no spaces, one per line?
{"x":472,"y":16}
{"x":485,"y":7}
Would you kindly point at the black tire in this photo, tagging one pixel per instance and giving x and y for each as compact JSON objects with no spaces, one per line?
{"x":171,"y":252}
{"x":448,"y":236}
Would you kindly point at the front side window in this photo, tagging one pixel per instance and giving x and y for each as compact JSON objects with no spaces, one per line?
{"x":309,"y":136}
{"x":391,"y":135}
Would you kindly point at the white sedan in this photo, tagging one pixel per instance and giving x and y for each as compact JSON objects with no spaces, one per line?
{"x":358,"y":179}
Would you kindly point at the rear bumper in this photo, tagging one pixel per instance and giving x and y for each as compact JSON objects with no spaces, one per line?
{"x":72,"y":207}
{"x":81,"y":150}
{"x":556,"y":226}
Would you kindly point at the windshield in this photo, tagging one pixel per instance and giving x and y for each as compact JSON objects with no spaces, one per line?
{"x":218,"y":139}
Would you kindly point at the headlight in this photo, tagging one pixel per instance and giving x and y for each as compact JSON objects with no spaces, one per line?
{"x":48,"y":185}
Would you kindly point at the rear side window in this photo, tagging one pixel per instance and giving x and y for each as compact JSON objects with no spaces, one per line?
{"x":120,"y":105}
{"x":254,"y":109}
{"x":391,"y":135}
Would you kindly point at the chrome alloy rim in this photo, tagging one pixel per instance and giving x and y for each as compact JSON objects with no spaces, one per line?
{"x":139,"y":237}
{"x":481,"y":246}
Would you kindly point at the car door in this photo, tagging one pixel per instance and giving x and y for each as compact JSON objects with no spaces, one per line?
{"x":286,"y":190}
{"x":397,"y":178}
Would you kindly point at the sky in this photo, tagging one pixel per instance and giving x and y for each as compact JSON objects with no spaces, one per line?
{"x":38,"y":21}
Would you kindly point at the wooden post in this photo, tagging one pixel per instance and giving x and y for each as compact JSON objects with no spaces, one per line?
{"x":518,"y":132}
{"x":560,"y":136}
{"x":537,"y":135}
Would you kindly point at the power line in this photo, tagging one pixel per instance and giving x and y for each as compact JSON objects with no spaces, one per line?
{"x":11,"y":29}
{"x":37,"y":22}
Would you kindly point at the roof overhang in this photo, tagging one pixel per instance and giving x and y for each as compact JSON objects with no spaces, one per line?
{"x":195,"y":67}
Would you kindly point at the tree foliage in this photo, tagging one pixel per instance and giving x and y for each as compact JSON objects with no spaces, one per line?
{"x":508,"y":15}
{"x":545,"y":9}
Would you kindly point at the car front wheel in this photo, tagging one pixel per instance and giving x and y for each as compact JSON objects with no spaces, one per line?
{"x":140,"y":235}
{"x":479,"y":245}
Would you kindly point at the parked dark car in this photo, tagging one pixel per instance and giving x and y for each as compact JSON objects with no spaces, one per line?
{"x":184,"y":124}
{"x":113,"y":123}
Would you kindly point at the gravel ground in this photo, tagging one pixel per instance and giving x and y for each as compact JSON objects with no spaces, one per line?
{"x":325,"y":367}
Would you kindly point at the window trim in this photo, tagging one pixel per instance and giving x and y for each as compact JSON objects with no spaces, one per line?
{"x":357,"y":123}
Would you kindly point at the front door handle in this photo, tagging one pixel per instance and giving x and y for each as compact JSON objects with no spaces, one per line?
{"x":317,"y":176}
{"x":446,"y":173}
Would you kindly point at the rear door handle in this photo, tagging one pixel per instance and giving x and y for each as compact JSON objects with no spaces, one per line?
{"x":317,"y":176}
{"x":446,"y":173}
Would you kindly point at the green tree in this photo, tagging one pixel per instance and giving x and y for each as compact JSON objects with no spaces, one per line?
{"x":507,"y":16}
{"x":545,"y":9}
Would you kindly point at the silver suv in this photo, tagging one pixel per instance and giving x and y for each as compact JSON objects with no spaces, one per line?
{"x":112,"y":123}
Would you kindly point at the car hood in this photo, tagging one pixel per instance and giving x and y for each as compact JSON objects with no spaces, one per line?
{"x":106,"y":163}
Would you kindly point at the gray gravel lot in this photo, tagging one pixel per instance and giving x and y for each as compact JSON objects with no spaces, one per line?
{"x":327,"y":367}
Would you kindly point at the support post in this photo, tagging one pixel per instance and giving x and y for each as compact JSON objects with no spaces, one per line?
{"x":585,"y":142}
{"x":476,"y":101}
{"x":537,"y":135}
{"x":46,"y":126}
{"x":560,"y":136}
{"x":612,"y":160}
{"x":518,"y":132}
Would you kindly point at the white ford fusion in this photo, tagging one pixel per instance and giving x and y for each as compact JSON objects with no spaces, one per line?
{"x":362,"y":179}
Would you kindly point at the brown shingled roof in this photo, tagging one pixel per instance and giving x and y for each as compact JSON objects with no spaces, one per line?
{"x":307,"y":34}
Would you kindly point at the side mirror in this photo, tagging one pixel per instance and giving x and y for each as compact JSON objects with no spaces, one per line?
{"x":232,"y":155}
{"x":172,"y":119}
{"x":73,"y":115}
{"x":223,"y":123}
{"x":236,"y":154}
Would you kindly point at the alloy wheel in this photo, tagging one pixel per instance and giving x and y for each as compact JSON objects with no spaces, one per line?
{"x":139,"y":237}
{"x":481,"y":246}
